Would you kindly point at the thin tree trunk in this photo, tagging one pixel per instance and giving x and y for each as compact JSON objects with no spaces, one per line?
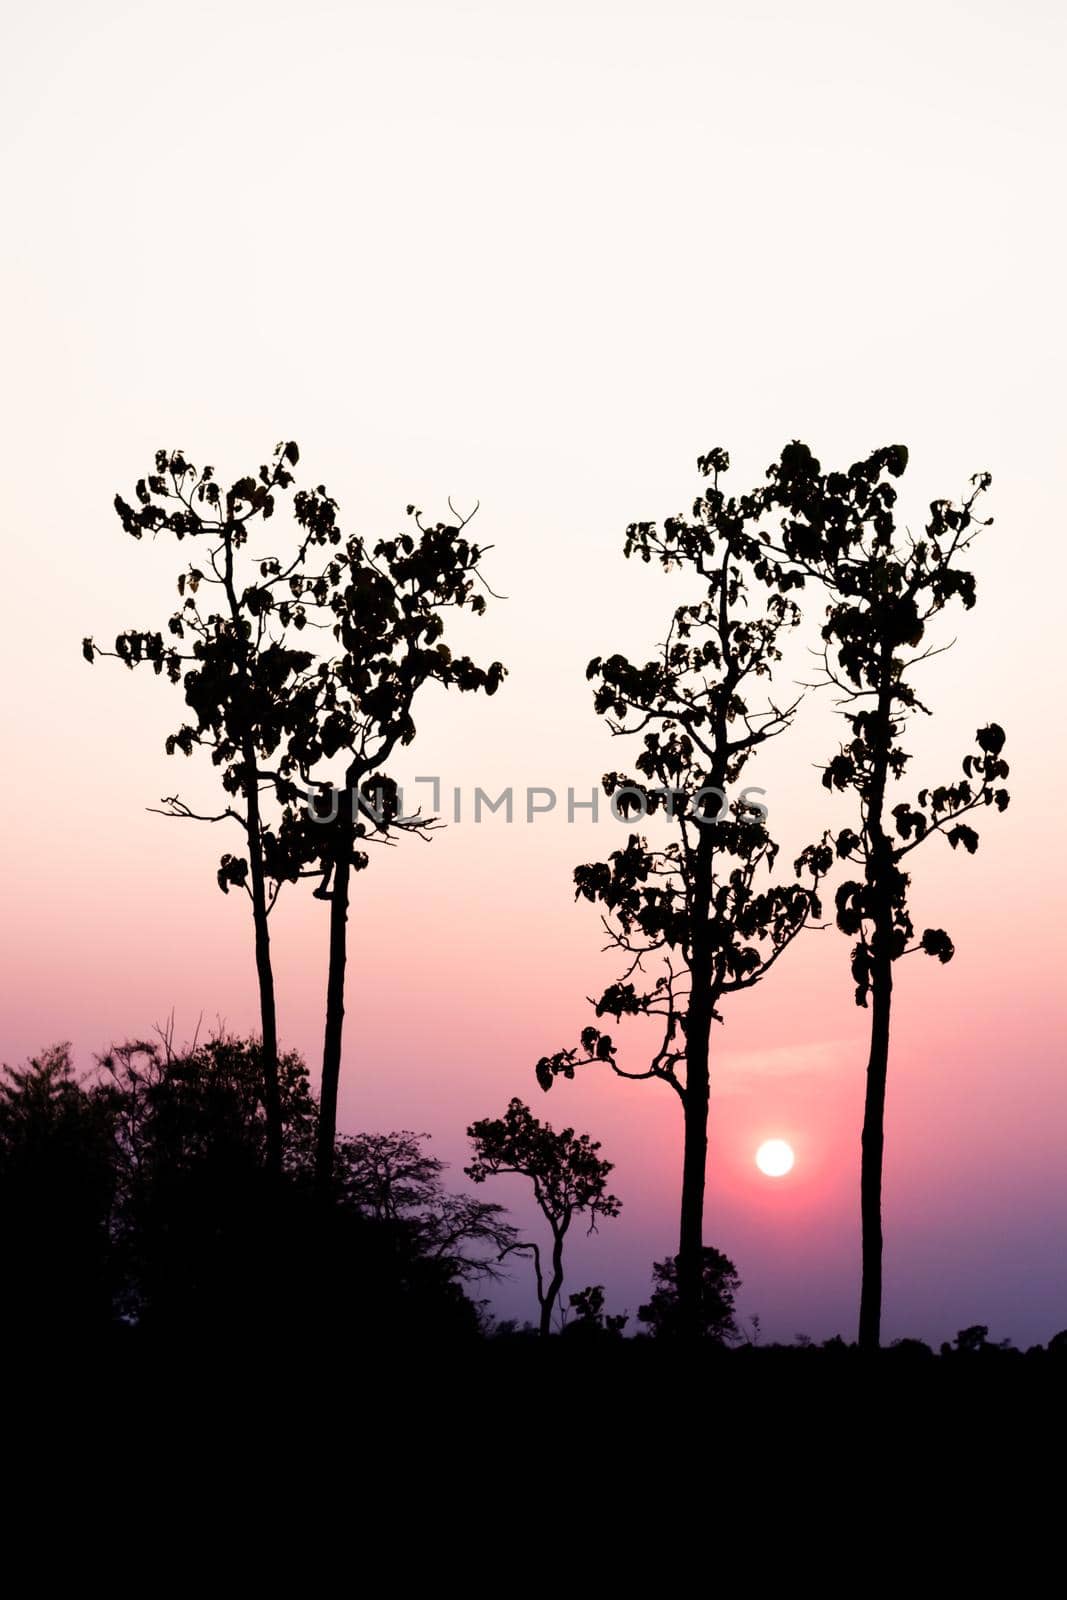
{"x":697,"y":1095}
{"x":694,"y":1177}
{"x":696,"y":1099}
{"x":554,"y":1286}
{"x":880,"y":866}
{"x":268,"y":1013}
{"x":873,"y":1144}
{"x":335,"y":999}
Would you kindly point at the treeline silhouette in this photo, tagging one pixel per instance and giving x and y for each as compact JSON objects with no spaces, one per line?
{"x":302,"y":657}
{"x":139,"y":1207}
{"x":142,"y":1200}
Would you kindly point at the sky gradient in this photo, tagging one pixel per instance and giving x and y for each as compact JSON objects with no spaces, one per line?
{"x":542,"y":258}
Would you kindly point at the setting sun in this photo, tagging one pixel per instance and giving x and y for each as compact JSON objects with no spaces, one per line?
{"x":775,"y":1158}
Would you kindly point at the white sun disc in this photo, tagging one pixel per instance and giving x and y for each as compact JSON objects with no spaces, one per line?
{"x":775,"y":1158}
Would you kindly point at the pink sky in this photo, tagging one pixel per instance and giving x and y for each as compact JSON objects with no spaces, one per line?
{"x":546,"y":268}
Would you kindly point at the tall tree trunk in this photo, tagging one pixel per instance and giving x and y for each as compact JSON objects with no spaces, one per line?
{"x":694,"y":1177}
{"x":702,"y":995}
{"x":264,"y":970}
{"x":873,"y":1139}
{"x":880,"y":867}
{"x":268,"y":1013}
{"x":695,"y":1101}
{"x":335,"y":998}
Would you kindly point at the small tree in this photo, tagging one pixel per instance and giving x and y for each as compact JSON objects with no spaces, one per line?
{"x":392,"y":1178}
{"x":885,"y":589}
{"x":694,"y":917}
{"x":719,"y":1283}
{"x":569,"y":1179}
{"x":226,"y":645}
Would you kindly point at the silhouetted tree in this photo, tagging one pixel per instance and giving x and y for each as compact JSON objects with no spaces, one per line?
{"x":719,"y":1283}
{"x":56,"y":1192}
{"x":975,"y":1341}
{"x":698,"y":905}
{"x":205,"y":1240}
{"x":569,"y":1179}
{"x":391,"y":1178}
{"x":200,"y":1228}
{"x":226,"y":645}
{"x":589,"y":1319}
{"x":386,"y":607}
{"x":906,"y":1349}
{"x":885,"y":589}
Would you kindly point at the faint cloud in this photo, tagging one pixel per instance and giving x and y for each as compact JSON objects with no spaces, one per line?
{"x":738,"y":1071}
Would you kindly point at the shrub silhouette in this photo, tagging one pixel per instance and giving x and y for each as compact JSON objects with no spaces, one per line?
{"x":57,"y":1185}
{"x":719,"y":1283}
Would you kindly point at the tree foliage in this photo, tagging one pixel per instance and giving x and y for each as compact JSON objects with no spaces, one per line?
{"x":230,"y":642}
{"x":885,"y":590}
